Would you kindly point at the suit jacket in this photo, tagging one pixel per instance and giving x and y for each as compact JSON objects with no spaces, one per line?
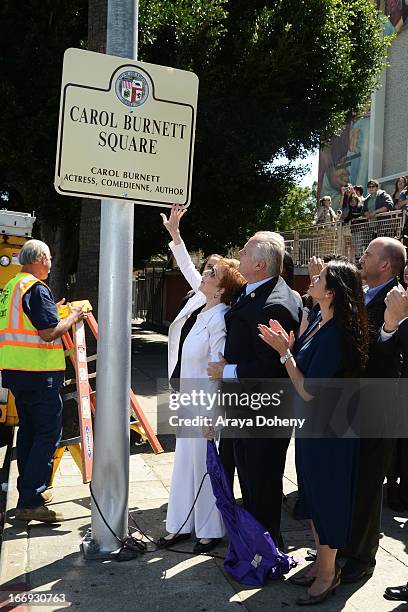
{"x":254,"y":358}
{"x":397,"y":345}
{"x":377,"y":366}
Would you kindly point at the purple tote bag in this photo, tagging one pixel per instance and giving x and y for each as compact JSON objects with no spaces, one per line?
{"x":252,"y":557}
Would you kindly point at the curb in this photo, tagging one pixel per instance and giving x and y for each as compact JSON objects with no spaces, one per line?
{"x":14,"y":547}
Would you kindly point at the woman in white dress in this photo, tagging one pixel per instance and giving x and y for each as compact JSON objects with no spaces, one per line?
{"x":196,"y":336}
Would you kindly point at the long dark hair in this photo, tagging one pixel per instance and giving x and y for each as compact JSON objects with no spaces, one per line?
{"x":350,"y":314}
{"x":397,"y":191}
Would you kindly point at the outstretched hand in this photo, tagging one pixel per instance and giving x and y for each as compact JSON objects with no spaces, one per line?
{"x":172,"y":223}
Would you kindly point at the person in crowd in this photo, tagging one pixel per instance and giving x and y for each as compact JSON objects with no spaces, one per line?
{"x":380,"y":264}
{"x":400,"y":184}
{"x":359,"y":191}
{"x":334,"y":345}
{"x":394,"y":340}
{"x":288,"y":275}
{"x":196,"y":336}
{"x":378,"y":201}
{"x":33,"y":365}
{"x":325,"y":212}
{"x":346,"y":192}
{"x":354,"y":212}
{"x":260,"y":462}
{"x":355,"y":209}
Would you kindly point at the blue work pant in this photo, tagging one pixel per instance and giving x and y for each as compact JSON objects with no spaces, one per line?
{"x":39,"y":434}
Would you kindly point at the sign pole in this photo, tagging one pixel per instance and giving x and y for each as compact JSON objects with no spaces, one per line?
{"x":110,"y":481}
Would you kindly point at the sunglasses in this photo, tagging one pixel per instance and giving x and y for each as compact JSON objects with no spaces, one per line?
{"x":210,"y":272}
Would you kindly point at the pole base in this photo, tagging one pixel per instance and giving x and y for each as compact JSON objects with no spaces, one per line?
{"x":91,"y":550}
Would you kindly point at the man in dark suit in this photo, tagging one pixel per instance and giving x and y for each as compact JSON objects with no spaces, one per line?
{"x":383,"y":259}
{"x":394,"y":342}
{"x":394,"y":339}
{"x":260,"y":462}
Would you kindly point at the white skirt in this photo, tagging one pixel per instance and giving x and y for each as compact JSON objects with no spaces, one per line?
{"x":188,"y":471}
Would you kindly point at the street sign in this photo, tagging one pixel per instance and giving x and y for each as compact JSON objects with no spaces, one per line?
{"x":126,"y":130}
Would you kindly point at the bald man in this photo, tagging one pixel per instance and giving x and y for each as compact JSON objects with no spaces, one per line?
{"x":382,"y":261}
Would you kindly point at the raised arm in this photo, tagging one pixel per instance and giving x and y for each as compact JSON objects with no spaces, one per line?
{"x":178,"y":248}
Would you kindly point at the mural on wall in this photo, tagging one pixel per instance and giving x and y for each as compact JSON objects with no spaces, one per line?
{"x":345,"y":159}
{"x":396,"y":11}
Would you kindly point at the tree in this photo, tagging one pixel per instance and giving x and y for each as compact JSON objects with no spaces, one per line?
{"x":32,"y":45}
{"x":297,"y":208}
{"x":276,"y":77}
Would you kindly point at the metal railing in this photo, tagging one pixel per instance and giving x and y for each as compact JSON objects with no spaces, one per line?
{"x":147,"y":295}
{"x":349,"y":239}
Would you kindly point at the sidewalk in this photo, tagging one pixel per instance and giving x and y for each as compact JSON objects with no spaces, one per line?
{"x":47,"y":559}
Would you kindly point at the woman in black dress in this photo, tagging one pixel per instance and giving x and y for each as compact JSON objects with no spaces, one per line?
{"x":334,"y":345}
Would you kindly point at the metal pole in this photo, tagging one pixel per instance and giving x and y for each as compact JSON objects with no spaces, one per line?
{"x":110,"y":480}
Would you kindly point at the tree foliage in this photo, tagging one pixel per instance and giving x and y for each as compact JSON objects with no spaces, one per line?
{"x":297,"y":208}
{"x":277,"y":77}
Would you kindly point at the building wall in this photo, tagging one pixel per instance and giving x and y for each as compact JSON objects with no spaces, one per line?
{"x":396,"y":111}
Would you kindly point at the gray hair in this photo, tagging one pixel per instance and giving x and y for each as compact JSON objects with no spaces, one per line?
{"x":270,"y":248}
{"x":32,"y":252}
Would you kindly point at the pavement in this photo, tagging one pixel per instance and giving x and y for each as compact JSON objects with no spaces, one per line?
{"x":46,"y":561}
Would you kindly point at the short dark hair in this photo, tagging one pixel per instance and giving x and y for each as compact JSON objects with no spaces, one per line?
{"x":359,"y":189}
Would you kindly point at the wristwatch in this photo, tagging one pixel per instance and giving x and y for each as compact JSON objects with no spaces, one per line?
{"x":285,"y":357}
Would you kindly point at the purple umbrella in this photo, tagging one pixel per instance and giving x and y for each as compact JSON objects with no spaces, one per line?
{"x":252,"y":557}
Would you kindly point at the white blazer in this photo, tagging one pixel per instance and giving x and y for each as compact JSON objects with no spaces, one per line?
{"x":208,"y":331}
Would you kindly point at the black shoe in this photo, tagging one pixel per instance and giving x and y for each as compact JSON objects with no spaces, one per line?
{"x":397,"y":593}
{"x":393,"y":498}
{"x":351,"y":573}
{"x":163,"y":543}
{"x":203,"y":548}
{"x":311,"y":554}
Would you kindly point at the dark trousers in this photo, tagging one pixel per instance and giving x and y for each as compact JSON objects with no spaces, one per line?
{"x":260,"y":463}
{"x":399,"y":468}
{"x":374,"y":460}
{"x":39,"y":434}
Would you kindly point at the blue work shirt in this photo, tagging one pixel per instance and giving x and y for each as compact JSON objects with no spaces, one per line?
{"x":40,"y":308}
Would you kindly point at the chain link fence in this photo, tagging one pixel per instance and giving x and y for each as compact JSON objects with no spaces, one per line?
{"x":349,"y":239}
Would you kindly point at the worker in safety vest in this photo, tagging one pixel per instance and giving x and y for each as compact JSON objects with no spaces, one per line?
{"x":33,"y":364}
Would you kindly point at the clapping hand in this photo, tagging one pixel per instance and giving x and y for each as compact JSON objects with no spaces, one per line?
{"x":315,"y":266}
{"x":276,"y":337}
{"x":396,"y":308}
{"x":173,"y":222}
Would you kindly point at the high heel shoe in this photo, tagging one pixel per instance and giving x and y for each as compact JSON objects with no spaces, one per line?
{"x":311,"y":600}
{"x":305,"y":581}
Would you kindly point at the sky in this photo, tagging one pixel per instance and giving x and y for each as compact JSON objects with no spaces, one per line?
{"x":311,"y":160}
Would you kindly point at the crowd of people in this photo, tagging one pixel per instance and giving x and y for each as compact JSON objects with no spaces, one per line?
{"x":353,"y":204}
{"x":243,"y":320}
